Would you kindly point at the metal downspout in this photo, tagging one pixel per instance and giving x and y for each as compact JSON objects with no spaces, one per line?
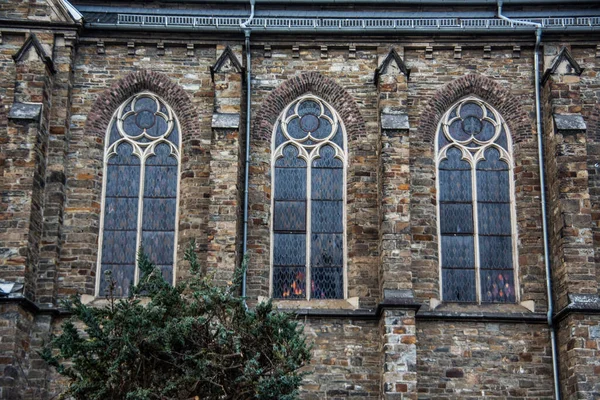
{"x":538,"y":117}
{"x":538,"y":112}
{"x":247,"y":30}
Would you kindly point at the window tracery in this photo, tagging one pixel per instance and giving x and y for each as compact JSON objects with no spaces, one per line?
{"x":140,"y":191}
{"x":308,"y":219}
{"x":476,"y":216}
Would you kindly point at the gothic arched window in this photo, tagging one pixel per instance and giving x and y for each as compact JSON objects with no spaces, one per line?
{"x":308,"y":230}
{"x":476,"y":212}
{"x":140,"y":191}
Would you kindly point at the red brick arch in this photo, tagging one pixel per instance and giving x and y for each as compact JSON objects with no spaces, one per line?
{"x":489,"y":90}
{"x":156,"y":82}
{"x":315,"y":83}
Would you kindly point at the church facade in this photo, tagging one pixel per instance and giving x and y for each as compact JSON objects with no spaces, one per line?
{"x":418,"y":181}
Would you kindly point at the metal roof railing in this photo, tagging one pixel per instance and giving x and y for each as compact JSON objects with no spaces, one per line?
{"x":367,"y":24}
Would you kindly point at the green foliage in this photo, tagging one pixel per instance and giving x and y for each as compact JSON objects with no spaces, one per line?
{"x":177,"y":342}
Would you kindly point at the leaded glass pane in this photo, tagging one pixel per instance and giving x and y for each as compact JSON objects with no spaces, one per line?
{"x":487,"y":131}
{"x":471,"y":109}
{"x":289,"y":216}
{"x":456,"y":218}
{"x":327,"y":183}
{"x":279,"y":138}
{"x":159,"y":214}
{"x":327,"y":216}
{"x":496,"y":252}
{"x":121,"y":213}
{"x":309,"y":107}
{"x":454,"y":161}
{"x":327,"y":159}
{"x":118,"y":247}
{"x":457,"y":132}
{"x":290,"y":183}
{"x":174,"y":136}
{"x":294,"y":129}
{"x":114,"y":134}
{"x":123,"y":275}
{"x":497,"y":286}
{"x":289,"y":282}
{"x":458,"y":252}
{"x":122,"y":180}
{"x":493,"y":186}
{"x":124,"y":155}
{"x":159,"y":246}
{"x":145,"y":103}
{"x":158,"y":128}
{"x":327,"y":283}
{"x":494,"y":218}
{"x":458,"y":285}
{"x":492,"y":161}
{"x":455,"y":186}
{"x":167,"y":272}
{"x":289,"y":249}
{"x":338,"y":138}
{"x":327,"y":250}
{"x":502,"y":140}
{"x":130,"y":126}
{"x":290,"y":158}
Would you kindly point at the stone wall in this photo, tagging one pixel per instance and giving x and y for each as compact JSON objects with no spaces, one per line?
{"x":51,"y":173}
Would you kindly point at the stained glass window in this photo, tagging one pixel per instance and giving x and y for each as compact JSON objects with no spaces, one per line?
{"x":308,"y":230}
{"x":475,"y":205}
{"x":140,"y":191}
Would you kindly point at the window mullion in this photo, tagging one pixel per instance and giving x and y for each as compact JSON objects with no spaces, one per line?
{"x":138,"y":243}
{"x":476,"y":231}
{"x":308,"y":227}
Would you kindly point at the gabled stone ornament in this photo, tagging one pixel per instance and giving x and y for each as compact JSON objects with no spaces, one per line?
{"x":563,"y":64}
{"x":393,"y":59}
{"x":227,"y":62}
{"x":32,"y":42}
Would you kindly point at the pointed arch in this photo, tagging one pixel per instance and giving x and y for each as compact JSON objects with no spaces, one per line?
{"x":308,"y":229}
{"x":476,"y":205}
{"x":160,"y":84}
{"x":317,"y":84}
{"x":487,"y":89}
{"x":140,"y":191}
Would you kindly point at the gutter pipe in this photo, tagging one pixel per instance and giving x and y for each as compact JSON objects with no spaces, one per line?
{"x":350,"y":31}
{"x":247,"y":31}
{"x":538,"y":117}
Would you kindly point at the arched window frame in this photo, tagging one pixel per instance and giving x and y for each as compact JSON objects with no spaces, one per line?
{"x":473,"y":155}
{"x":309,"y":153}
{"x":143,"y":151}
